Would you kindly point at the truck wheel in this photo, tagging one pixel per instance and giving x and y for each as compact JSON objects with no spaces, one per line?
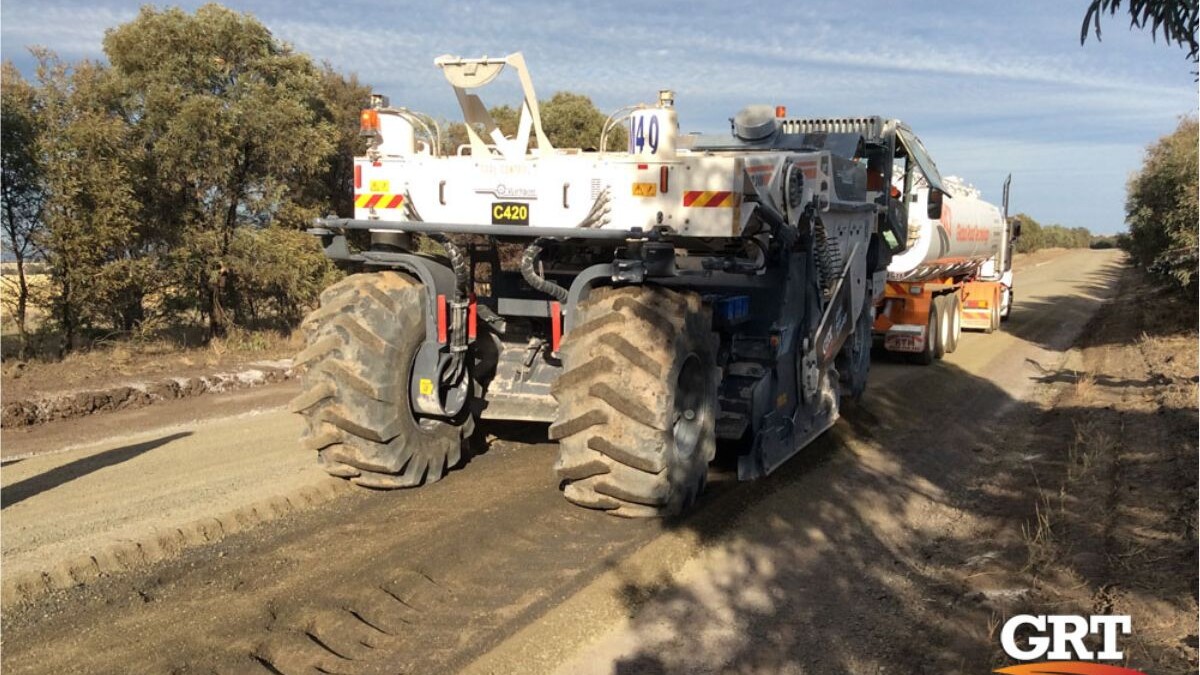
{"x":355,"y":398}
{"x":954,"y":307}
{"x":926,"y":356}
{"x":941,"y":313}
{"x":637,"y":402}
{"x":993,"y":315}
{"x":1007,"y":304}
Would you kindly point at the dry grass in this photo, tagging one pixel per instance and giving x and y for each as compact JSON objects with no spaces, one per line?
{"x":1041,"y":547}
{"x":37,"y":309}
{"x":1088,"y":446}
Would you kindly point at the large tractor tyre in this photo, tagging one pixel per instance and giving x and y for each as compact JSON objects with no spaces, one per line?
{"x":637,"y":402}
{"x":927,"y":355}
{"x":355,"y":377}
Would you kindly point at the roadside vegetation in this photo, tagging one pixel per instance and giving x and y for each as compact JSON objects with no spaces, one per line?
{"x":1162,"y":208}
{"x":156,"y":200}
{"x":1035,"y":236}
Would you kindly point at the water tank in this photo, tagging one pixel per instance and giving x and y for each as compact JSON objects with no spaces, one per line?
{"x":969,"y":233}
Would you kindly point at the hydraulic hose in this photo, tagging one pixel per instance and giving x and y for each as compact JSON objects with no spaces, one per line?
{"x":531,"y":276}
{"x":458,"y":306}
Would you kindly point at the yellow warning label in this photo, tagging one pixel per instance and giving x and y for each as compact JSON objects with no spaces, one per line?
{"x":645,"y":190}
{"x":426,"y":386}
{"x":381,"y":186}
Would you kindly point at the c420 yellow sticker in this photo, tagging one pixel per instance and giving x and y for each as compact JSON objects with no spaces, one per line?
{"x":425,"y":386}
{"x":380,"y":186}
{"x":645,"y":190}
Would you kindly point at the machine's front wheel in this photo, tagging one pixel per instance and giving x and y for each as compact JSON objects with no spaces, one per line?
{"x":637,"y":402}
{"x":355,"y":376}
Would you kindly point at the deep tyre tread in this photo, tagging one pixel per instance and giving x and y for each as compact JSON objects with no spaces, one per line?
{"x":617,"y":418}
{"x":354,"y":386}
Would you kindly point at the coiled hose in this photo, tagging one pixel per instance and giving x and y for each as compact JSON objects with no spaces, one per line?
{"x":530,"y":274}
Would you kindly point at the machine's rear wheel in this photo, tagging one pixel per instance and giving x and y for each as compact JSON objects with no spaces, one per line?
{"x":355,"y":377}
{"x":637,"y":402}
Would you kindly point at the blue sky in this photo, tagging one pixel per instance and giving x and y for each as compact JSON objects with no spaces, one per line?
{"x":991,"y":87}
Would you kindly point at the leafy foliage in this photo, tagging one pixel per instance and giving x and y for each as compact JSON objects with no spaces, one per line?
{"x":226,"y":116}
{"x":570,"y":120}
{"x":21,"y":191}
{"x":1177,"y":20}
{"x":1162,"y":208}
{"x":173,"y":181}
{"x":1036,"y":236}
{"x":93,"y":238}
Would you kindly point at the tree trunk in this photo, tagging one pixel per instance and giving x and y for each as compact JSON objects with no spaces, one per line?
{"x":22,"y":304}
{"x":218,"y":319}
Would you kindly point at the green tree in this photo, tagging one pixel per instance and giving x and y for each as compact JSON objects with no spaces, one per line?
{"x":1177,"y":20}
{"x":570,"y":121}
{"x":232,"y":125}
{"x":1031,"y":238}
{"x":332,"y":187}
{"x":573,"y":121}
{"x":90,"y":214}
{"x":1161,"y":207}
{"x":22,"y":192}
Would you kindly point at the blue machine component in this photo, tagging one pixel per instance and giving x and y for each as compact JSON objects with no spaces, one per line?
{"x":732,"y":310}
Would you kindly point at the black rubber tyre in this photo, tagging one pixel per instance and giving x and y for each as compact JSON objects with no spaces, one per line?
{"x":997,"y":317}
{"x":993,"y":315}
{"x":941,"y":314}
{"x":954,"y":307}
{"x":926,"y":356}
{"x":355,"y":378}
{"x":1008,"y":307}
{"x":637,"y":402}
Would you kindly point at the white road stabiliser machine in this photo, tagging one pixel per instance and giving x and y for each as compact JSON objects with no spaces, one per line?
{"x":645,"y":302}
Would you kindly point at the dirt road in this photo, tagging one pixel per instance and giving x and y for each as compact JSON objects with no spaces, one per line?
{"x":851,"y":558}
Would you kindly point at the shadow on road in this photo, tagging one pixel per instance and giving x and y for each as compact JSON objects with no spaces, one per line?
{"x":34,"y":485}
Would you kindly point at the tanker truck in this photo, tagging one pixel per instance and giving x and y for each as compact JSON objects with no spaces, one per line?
{"x":644,"y":301}
{"x":955,"y":273}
